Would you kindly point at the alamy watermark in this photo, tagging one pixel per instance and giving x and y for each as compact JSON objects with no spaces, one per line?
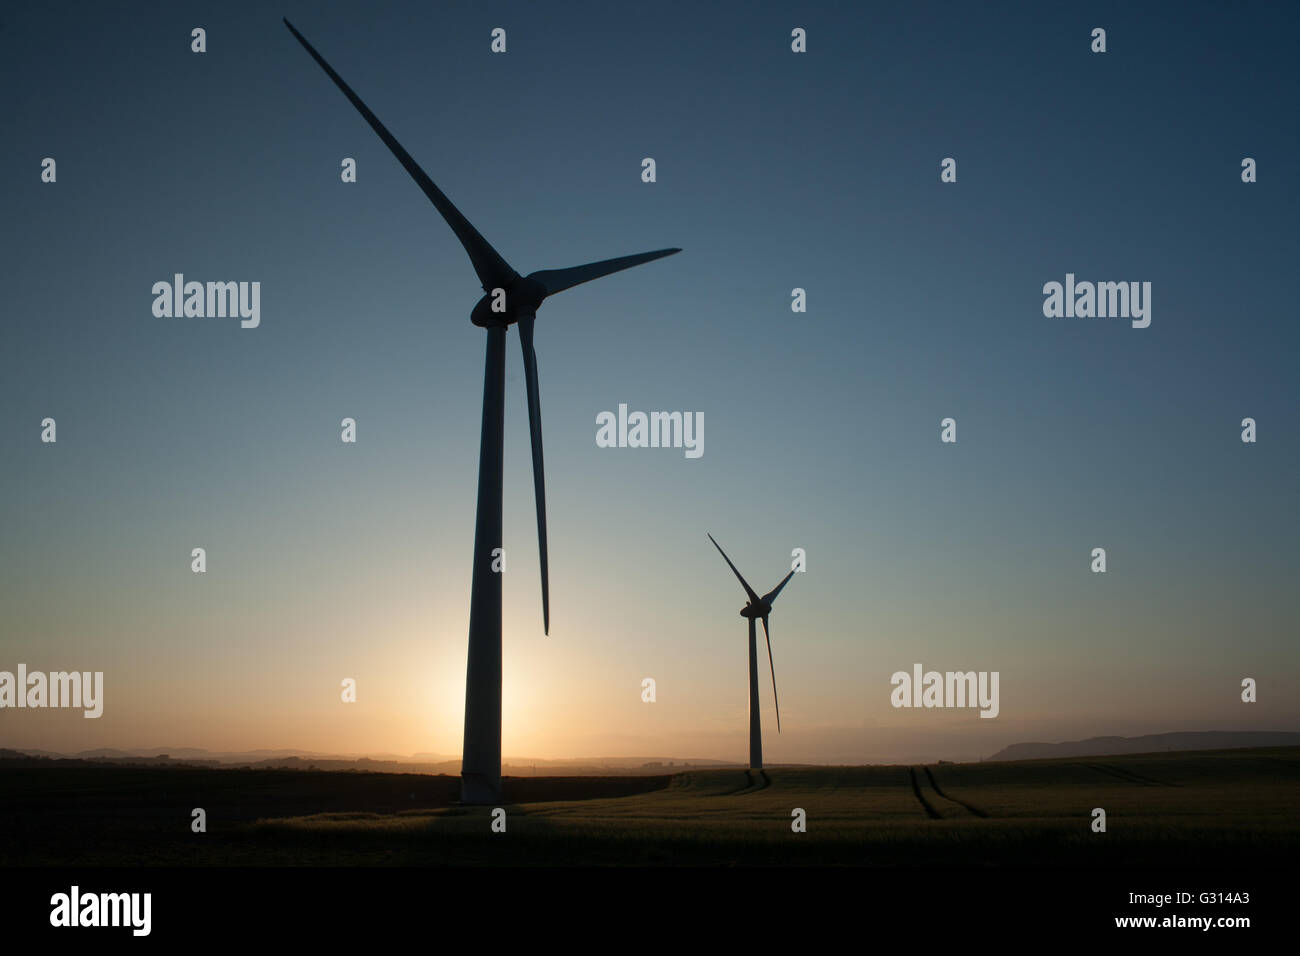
{"x":76,"y":908}
{"x":655,"y":430}
{"x":208,"y":300}
{"x":1102,"y":300}
{"x":84,"y":689}
{"x":950,"y":689}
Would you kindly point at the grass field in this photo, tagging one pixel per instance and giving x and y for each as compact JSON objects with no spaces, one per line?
{"x":1210,"y":808}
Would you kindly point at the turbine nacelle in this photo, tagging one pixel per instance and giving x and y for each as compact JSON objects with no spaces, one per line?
{"x":521,"y":297}
{"x":756,"y":611}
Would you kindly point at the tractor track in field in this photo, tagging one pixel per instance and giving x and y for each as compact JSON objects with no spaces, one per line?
{"x":973,"y":810}
{"x":1128,"y":776}
{"x":751,"y":785}
{"x":749,"y":782}
{"x":930,"y":811}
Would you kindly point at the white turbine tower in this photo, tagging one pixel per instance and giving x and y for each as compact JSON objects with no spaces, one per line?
{"x":757,"y":608}
{"x":509,"y":299}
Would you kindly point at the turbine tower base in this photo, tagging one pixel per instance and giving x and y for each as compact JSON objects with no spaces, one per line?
{"x":477,"y":788}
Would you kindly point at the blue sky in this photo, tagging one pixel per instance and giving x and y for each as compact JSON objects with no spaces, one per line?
{"x":775,"y":171}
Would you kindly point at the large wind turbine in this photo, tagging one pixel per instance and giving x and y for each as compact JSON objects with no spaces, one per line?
{"x":509,"y":298}
{"x":756,"y":608}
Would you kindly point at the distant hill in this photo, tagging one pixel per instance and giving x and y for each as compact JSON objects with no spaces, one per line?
{"x":385,"y":763}
{"x":1150,"y":743}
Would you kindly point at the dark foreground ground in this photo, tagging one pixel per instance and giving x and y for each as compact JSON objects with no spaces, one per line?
{"x":1206,"y":809}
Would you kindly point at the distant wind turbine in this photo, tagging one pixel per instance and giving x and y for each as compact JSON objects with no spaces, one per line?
{"x":509,"y":298}
{"x":756,"y":608}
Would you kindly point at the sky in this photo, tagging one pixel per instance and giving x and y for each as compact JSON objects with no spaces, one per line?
{"x":774,"y":171}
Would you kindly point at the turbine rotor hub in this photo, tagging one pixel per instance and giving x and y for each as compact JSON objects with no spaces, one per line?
{"x":506,"y":305}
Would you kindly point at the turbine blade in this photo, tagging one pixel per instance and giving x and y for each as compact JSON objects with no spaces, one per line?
{"x":539,"y":470}
{"x":770,"y":596}
{"x":743,"y":583}
{"x":493,"y":271}
{"x":775,"y":700}
{"x":557,"y":280}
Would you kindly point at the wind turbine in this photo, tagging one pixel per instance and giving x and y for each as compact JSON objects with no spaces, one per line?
{"x":756,"y":608}
{"x":508,"y":299}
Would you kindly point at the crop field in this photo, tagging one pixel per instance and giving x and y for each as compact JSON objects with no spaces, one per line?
{"x":1210,"y":808}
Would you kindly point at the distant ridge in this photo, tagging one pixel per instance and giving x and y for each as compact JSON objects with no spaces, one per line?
{"x":1151,"y":743}
{"x":382,"y":763}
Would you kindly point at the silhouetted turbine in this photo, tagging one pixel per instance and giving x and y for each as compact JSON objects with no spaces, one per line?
{"x":481,"y":759}
{"x":757,"y":608}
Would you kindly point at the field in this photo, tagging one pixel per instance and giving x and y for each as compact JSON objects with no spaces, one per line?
{"x":1209,"y":808}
